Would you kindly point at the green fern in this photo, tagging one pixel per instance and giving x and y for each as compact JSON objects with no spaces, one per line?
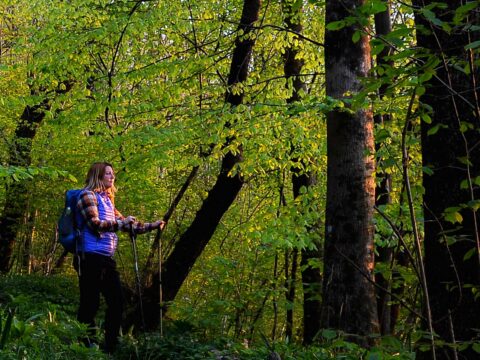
{"x":5,"y":331}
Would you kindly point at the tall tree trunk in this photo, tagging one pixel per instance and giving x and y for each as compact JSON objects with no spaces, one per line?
{"x":383,"y":26}
{"x":349,"y":302}
{"x":29,"y":235}
{"x":311,"y":277}
{"x":290,"y":279}
{"x":275,"y":301}
{"x":16,"y":192}
{"x":192,"y":242}
{"x":452,"y":258}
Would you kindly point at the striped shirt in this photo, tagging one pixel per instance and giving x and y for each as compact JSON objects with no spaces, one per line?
{"x":88,"y":207}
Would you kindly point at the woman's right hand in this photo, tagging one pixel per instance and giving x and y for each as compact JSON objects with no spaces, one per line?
{"x":160,"y":224}
{"x":129,"y":220}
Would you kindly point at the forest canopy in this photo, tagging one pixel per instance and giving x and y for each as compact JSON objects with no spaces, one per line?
{"x":317,"y":164}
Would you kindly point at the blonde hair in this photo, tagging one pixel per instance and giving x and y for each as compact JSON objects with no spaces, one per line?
{"x":94,"y":180}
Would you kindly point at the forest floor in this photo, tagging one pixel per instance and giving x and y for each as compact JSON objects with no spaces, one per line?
{"x":37,"y":321}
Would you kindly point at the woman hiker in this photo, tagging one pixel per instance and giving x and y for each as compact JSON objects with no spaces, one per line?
{"x":95,"y":265}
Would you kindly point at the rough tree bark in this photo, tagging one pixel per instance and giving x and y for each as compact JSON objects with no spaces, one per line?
{"x":453,"y":155}
{"x":192,"y":242}
{"x":349,"y":302}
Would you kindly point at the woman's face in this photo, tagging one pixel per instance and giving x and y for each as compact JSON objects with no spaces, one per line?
{"x":108,"y":177}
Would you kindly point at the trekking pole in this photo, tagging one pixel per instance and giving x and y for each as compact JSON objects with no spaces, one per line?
{"x":160,"y":285}
{"x":133,"y":237}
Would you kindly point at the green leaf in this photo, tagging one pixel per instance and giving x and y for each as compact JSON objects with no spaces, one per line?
{"x":474,"y":204}
{"x":472,"y":45}
{"x":427,"y":170}
{"x":72,"y":178}
{"x":464,"y":126}
{"x":374,"y":355}
{"x":376,"y":49}
{"x":402,"y":31}
{"x":471,"y":27}
{"x":426,"y":118}
{"x":329,"y":334}
{"x":476,"y":347}
{"x":453,"y":215}
{"x":469,"y":253}
{"x":356,"y":36}
{"x":382,"y":135}
{"x":426,"y":76}
{"x":378,"y":6}
{"x":464,"y":160}
{"x":402,"y":54}
{"x":430,"y":15}
{"x":420,"y":90}
{"x":336,"y":25}
{"x":433,"y":130}
{"x":463,"y":10}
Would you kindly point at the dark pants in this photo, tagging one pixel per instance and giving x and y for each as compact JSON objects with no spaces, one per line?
{"x":98,"y":275}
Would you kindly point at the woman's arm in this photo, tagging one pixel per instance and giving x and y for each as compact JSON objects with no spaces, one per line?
{"x":88,"y":207}
{"x":138,"y":226}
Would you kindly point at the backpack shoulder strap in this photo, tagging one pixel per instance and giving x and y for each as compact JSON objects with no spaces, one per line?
{"x":79,"y":219}
{"x":75,"y":197}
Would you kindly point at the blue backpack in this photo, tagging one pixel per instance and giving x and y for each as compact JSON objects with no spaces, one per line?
{"x":71,"y":221}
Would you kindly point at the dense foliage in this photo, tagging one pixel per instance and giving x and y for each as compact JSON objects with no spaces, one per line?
{"x":142,"y":84}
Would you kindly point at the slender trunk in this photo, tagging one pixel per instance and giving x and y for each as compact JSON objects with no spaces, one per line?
{"x":275,"y":302}
{"x":257,"y":315}
{"x":28,"y":241}
{"x":383,"y":26}
{"x":401,"y":259}
{"x":349,"y":302}
{"x":290,"y":279}
{"x":192,"y":242}
{"x":311,"y":277}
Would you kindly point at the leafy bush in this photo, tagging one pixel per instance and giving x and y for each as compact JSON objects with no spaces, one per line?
{"x":184,"y":342}
{"x":36,"y":319}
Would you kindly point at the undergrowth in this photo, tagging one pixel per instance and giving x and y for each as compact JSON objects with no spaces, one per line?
{"x":37,"y":321}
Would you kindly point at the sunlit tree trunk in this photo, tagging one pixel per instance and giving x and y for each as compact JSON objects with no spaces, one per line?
{"x":451,"y":250}
{"x":349,"y":302}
